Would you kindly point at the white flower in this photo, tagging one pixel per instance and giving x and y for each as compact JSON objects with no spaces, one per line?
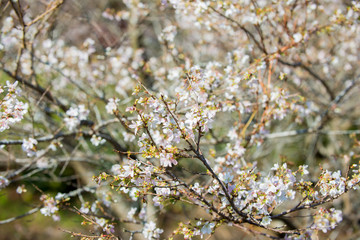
{"x":197,"y":188}
{"x":116,"y":169}
{"x":226,"y":177}
{"x":297,"y":37}
{"x":276,"y":167}
{"x":52,"y":146}
{"x":71,"y":123}
{"x":327,"y":219}
{"x":20,"y":189}
{"x":60,"y":196}
{"x":11,"y":109}
{"x":162,"y":191}
{"x":74,"y":116}
{"x":150,"y":231}
{"x":83,"y":113}
{"x":88,"y":42}
{"x":232,"y":134}
{"x":131,"y":213}
{"x":168,"y":34}
{"x":72,"y":112}
{"x":158,"y":202}
{"x":290,"y":194}
{"x":127,"y":171}
{"x":167,"y":159}
{"x":207,"y":228}
{"x":50,"y":207}
{"x":304,"y":170}
{"x":111,"y":105}
{"x":96,"y":140}
{"x":47,"y":44}
{"x":266,"y":220}
{"x":43,"y":163}
{"x":56,"y":217}
{"x":100,"y":221}
{"x":128,"y":137}
{"x":356,"y":4}
{"x":29,"y":146}
{"x":142,"y":213}
{"x":4,"y":182}
{"x":84,"y":209}
{"x":174,"y":73}
{"x":133,"y":194}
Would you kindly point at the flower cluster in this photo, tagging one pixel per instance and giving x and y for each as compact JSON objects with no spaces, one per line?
{"x":11,"y":109}
{"x":111,"y":106}
{"x":29,"y":146}
{"x":168,"y":34}
{"x":50,"y":207}
{"x":150,"y":231}
{"x":4,"y":182}
{"x":74,"y":116}
{"x":326,"y":220}
{"x":332,"y":184}
{"x":97,"y":140}
{"x":188,"y":97}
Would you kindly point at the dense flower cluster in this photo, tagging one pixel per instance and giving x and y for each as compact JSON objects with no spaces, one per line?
{"x":156,"y":106}
{"x":12,"y":109}
{"x":326,"y":220}
{"x":50,"y":207}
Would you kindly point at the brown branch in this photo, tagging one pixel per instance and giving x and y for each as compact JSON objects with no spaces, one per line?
{"x":38,"y":89}
{"x":9,"y":220}
{"x":248,"y":33}
{"x":49,"y":10}
{"x":117,"y":147}
{"x":312,"y":73}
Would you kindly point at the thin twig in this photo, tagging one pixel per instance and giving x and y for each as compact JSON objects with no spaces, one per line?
{"x":9,"y":220}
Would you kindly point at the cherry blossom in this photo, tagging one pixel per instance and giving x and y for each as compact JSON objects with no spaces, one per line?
{"x":150,"y":231}
{"x":242,"y":113}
